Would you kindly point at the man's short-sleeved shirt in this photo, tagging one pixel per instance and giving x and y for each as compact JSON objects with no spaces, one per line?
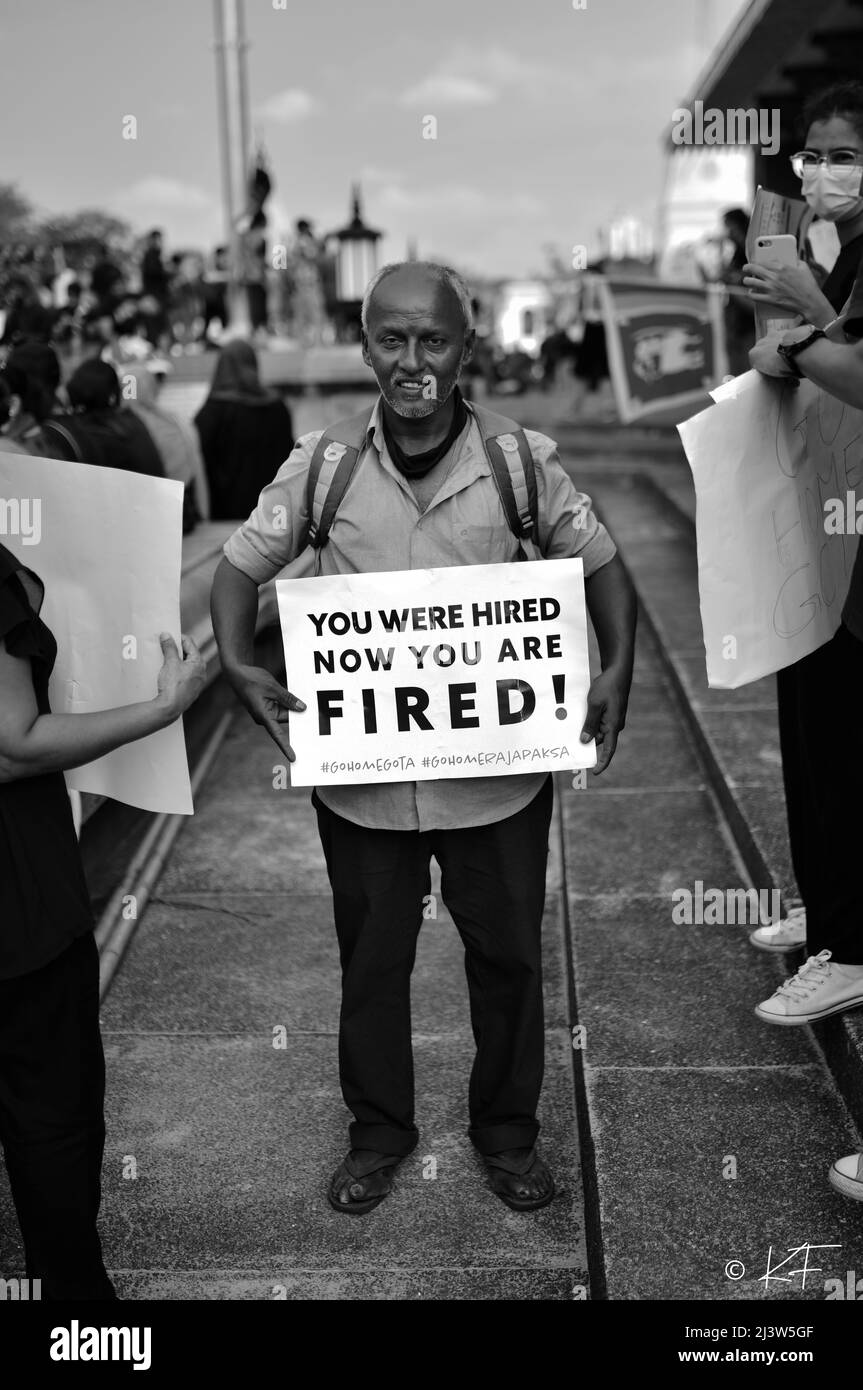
{"x":379,"y":526}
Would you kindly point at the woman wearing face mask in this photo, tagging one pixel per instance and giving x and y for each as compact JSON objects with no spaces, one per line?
{"x":830,"y":169}
{"x":821,"y":791}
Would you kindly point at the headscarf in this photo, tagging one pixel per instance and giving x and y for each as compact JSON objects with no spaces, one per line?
{"x":32,"y":371}
{"x":237,"y":378}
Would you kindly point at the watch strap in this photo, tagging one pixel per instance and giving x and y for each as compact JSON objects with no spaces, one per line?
{"x":790,"y":351}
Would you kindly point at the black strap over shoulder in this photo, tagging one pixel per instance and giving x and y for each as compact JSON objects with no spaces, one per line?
{"x":331,"y":469}
{"x":514,"y":470}
{"x":337,"y":453}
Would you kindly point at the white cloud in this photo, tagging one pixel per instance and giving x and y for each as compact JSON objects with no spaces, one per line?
{"x":449,"y":201}
{"x":462,"y":225}
{"x":293,"y":104}
{"x":161,"y":193}
{"x":446,"y":89}
{"x":467,"y":77}
{"x":190,"y":216}
{"x":376,"y":174}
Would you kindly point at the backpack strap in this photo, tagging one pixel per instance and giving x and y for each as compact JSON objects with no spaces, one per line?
{"x":332,"y":466}
{"x":514,"y":470}
{"x":338,"y":450}
{"x":73,"y":449}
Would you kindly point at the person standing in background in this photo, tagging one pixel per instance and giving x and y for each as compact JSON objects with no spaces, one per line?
{"x":106,"y":283}
{"x":155,"y":286}
{"x":738,"y":313}
{"x":308,"y":297}
{"x":253,"y":255}
{"x":215,"y":293}
{"x":245,"y":430}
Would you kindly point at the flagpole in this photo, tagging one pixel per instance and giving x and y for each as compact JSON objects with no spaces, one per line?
{"x":243,"y":87}
{"x":224,"y":121}
{"x":233,"y":92}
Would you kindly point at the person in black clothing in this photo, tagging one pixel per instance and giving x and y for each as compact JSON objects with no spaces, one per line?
{"x":106,"y":284}
{"x":830,"y":166}
{"x":52,"y":1069}
{"x":155,"y":286}
{"x":27,"y":320}
{"x":245,"y":431}
{"x":821,"y":790}
{"x":824,"y":802}
{"x":32,"y":377}
{"x":98,"y":431}
{"x":738,"y":314}
{"x":254,"y":269}
{"x":216,"y":293}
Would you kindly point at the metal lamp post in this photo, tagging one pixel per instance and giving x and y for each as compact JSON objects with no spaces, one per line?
{"x":356,"y":263}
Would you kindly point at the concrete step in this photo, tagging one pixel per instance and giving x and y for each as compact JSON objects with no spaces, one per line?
{"x":735,"y":731}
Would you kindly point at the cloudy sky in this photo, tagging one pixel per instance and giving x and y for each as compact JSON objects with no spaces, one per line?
{"x":548,"y":117}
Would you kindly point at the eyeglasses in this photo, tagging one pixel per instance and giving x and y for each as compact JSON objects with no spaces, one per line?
{"x":837,"y":159}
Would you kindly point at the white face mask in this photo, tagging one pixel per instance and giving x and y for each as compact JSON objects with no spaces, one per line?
{"x":833,"y":193}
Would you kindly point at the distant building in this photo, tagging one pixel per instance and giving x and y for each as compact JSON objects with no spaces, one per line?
{"x":628,"y":239}
{"x":524,"y":314}
{"x":700,"y":183}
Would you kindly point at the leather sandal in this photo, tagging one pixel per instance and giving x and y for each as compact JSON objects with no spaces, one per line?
{"x":368,"y":1180}
{"x":507,"y":1172}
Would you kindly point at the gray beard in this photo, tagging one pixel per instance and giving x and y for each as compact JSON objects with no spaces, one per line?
{"x":418,"y":410}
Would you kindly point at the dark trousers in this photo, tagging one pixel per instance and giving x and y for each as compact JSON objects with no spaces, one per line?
{"x":257,"y":298}
{"x":493,"y":883}
{"x":52,"y":1088}
{"x":821,"y":734}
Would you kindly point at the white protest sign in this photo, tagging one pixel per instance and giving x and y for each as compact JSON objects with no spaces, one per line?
{"x":465,"y":671}
{"x":774,"y":466}
{"x":107,"y":545}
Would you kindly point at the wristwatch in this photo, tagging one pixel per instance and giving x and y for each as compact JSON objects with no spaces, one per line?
{"x":790,"y":350}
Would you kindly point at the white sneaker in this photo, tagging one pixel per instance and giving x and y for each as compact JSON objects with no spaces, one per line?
{"x":846,"y":1176}
{"x":788,"y":934}
{"x":816,"y":991}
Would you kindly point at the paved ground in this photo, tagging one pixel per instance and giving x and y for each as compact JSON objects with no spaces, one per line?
{"x":234,"y":1137}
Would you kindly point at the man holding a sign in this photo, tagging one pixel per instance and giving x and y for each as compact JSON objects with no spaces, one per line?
{"x":439,"y":700}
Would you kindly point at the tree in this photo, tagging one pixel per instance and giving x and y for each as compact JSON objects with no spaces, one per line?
{"x":16,"y":213}
{"x":84,"y":229}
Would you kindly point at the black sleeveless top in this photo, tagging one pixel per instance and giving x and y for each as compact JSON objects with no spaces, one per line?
{"x":44,"y":904}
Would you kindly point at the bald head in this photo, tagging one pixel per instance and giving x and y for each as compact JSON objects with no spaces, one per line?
{"x":421,"y":274}
{"x":417,"y":334}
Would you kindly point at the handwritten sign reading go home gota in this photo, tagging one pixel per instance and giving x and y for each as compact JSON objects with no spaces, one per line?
{"x":468,"y":671}
{"x":771,"y":463}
